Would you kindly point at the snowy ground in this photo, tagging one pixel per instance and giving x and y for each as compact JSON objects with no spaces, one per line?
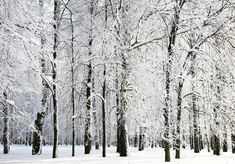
{"x":21,"y":154}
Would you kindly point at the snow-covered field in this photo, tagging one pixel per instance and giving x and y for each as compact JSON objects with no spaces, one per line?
{"x":21,"y":154}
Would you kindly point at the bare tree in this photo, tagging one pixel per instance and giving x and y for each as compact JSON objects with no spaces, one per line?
{"x":37,"y":135}
{"x":172,"y":39}
{"x":6,"y":132}
{"x":87,"y":136}
{"x":54,"y":75}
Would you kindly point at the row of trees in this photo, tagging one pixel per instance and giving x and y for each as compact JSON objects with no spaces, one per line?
{"x":92,"y":68}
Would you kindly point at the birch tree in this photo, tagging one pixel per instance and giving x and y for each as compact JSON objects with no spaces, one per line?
{"x":54,"y":75}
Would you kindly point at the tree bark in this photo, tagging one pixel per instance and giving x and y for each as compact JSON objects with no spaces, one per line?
{"x":141,"y":138}
{"x":166,"y":109}
{"x":216,"y":145}
{"x":216,"y":119}
{"x":37,"y":135}
{"x":54,"y":76}
{"x":96,"y":135}
{"x":195,"y":125}
{"x":136,"y":140}
{"x":104,"y":113}
{"x":179,"y":106}
{"x":122,"y":32}
{"x":123,"y":137}
{"x":225,"y":143}
{"x":233,"y":143}
{"x":6,"y":133}
{"x":196,"y":140}
{"x":117,"y":112}
{"x":87,"y":137}
{"x":72,"y":83}
{"x":104,"y":88}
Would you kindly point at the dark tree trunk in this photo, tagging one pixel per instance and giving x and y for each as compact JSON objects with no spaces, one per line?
{"x":6,"y":133}
{"x":87,"y":136}
{"x":216,"y":145}
{"x":103,"y":114}
{"x":166,"y":109}
{"x":37,"y":135}
{"x":136,"y":140}
{"x":54,"y":77}
{"x":123,"y":136}
{"x":73,"y":110}
{"x":123,"y":32}
{"x":201,"y":142}
{"x":233,"y":143}
{"x":183,"y":140}
{"x":216,"y":140}
{"x":117,"y":112}
{"x":195,"y":126}
{"x":216,"y":119}
{"x":152,"y":144}
{"x":196,"y":139}
{"x":179,"y":104}
{"x":117,"y":108}
{"x":225,"y":143}
{"x":73,"y":84}
{"x":104,"y":88}
{"x":141,"y":138}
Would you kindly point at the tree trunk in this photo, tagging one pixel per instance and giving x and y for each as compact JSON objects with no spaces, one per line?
{"x":212,"y":142}
{"x":166,"y":109}
{"x":6,"y":133}
{"x":195,"y":126}
{"x":179,"y":106}
{"x":225,"y":143}
{"x":216,"y":119}
{"x":216,"y":145}
{"x":117,"y":112}
{"x":233,"y":143}
{"x":136,"y":140}
{"x":190,"y":132}
{"x":73,"y":84}
{"x":94,"y":110}
{"x":87,"y":136}
{"x":201,"y":142}
{"x":54,"y":76}
{"x":208,"y":144}
{"x":96,"y":135}
{"x":141,"y":139}
{"x":123,"y":138}
{"x":37,"y":135}
{"x":196,"y":139}
{"x":123,"y":33}
{"x":104,"y":88}
{"x":104,"y":113}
